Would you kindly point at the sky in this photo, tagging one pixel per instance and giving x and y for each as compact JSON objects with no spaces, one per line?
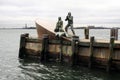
{"x":17,"y":13}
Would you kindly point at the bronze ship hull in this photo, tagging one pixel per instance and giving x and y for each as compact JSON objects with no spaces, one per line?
{"x":44,"y":30}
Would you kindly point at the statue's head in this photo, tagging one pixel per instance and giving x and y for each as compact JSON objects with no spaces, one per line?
{"x":69,"y":13}
{"x":59,"y":18}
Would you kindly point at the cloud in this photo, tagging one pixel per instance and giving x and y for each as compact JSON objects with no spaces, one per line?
{"x":84,"y":11}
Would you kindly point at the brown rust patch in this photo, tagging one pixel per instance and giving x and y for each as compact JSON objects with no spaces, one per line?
{"x":34,"y":46}
{"x":33,"y":52}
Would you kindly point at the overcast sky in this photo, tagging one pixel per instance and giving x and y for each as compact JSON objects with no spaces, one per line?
{"x":16,"y":13}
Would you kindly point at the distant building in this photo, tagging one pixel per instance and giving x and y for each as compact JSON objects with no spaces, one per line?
{"x":26,"y":26}
{"x":91,"y":27}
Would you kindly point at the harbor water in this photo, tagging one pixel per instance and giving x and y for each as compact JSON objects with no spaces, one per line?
{"x":12,"y":68}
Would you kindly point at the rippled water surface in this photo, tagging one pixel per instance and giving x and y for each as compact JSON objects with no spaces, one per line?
{"x":11,"y":68}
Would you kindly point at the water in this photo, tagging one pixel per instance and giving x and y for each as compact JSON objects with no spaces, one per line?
{"x":11,"y":68}
{"x":97,"y":33}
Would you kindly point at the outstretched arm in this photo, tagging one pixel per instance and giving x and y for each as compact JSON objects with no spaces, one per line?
{"x":66,"y":18}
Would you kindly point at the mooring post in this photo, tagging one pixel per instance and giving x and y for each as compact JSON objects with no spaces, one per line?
{"x":86,"y":32}
{"x":114,"y":33}
{"x":22,"y":49}
{"x":111,"y":47}
{"x":74,"y":44}
{"x":61,"y":50}
{"x":91,"y":52}
{"x":45,"y":46}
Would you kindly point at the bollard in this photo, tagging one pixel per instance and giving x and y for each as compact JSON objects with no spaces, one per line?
{"x":91,"y":52}
{"x":111,"y":47}
{"x":61,"y":50}
{"x":45,"y":46}
{"x":22,"y":49}
{"x":74,"y":44}
{"x":114,"y":33}
{"x":86,"y":32}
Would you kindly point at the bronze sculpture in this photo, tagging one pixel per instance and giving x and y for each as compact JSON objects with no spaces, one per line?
{"x":59,"y":28}
{"x":59,"y":25}
{"x":69,"y":18}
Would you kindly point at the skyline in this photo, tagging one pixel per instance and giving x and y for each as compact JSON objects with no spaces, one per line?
{"x":17,"y":13}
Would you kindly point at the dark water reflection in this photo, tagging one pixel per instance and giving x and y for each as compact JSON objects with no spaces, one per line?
{"x":58,"y":71}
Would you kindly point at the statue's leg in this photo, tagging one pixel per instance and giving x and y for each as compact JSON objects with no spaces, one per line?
{"x":72,"y":29}
{"x":56,"y":29}
{"x":66,"y":28}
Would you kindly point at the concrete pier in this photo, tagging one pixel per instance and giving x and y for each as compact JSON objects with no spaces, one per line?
{"x":74,"y":51}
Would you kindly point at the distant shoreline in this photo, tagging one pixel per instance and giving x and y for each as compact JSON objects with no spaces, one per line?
{"x":18,"y":28}
{"x":90,"y":27}
{"x":93,"y":27}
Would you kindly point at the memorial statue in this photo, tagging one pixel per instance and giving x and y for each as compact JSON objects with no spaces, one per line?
{"x":59,"y":28}
{"x":59,"y":25}
{"x":69,"y":18}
